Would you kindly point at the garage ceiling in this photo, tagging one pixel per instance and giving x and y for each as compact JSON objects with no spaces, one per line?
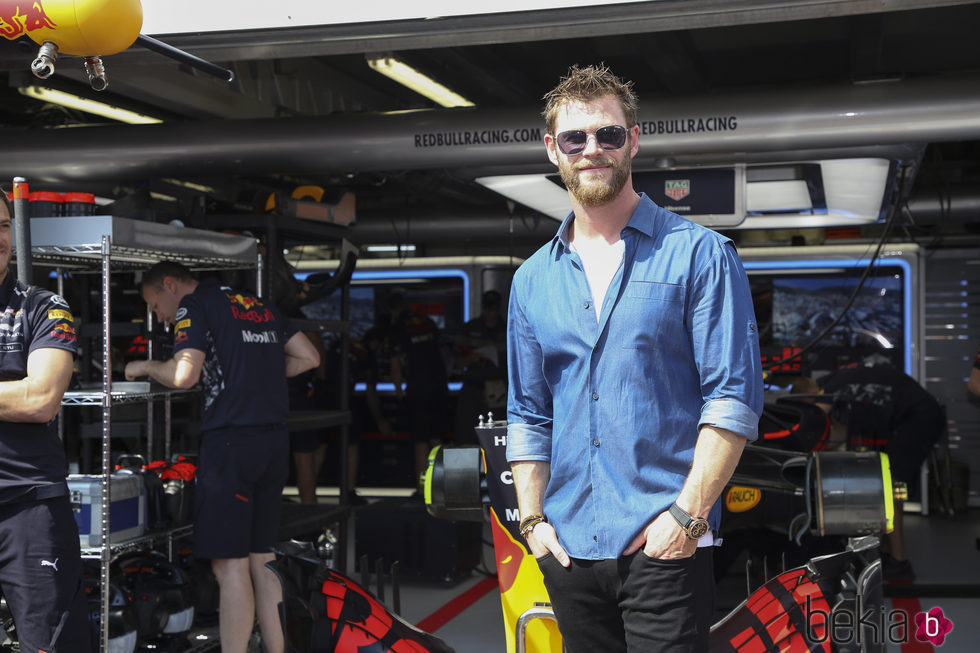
{"x":501,"y":62}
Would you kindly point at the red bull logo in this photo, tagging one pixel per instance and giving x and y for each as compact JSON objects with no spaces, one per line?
{"x":63,"y":330}
{"x":247,"y":302}
{"x":19,"y":17}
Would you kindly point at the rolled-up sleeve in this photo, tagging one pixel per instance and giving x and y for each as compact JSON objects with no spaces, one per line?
{"x":725,"y":339}
{"x":529,"y":403}
{"x":731,"y":415}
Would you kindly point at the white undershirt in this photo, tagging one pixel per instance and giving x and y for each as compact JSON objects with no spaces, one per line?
{"x":600,"y":261}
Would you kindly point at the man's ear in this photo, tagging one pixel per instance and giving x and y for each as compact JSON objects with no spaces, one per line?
{"x":551,"y":147}
{"x":634,"y":140}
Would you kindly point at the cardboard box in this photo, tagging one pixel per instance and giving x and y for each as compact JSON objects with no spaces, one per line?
{"x":127,"y":516}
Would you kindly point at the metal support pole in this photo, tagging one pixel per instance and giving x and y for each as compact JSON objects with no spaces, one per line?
{"x":345,"y":527}
{"x":106,"y":442}
{"x":61,"y":411}
{"x":22,"y":229}
{"x":149,"y":404}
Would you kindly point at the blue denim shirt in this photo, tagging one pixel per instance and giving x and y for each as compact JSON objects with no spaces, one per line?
{"x":615,"y":406}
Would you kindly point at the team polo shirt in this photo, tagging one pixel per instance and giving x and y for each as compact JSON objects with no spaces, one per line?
{"x":415,"y":339}
{"x":243,"y":339}
{"x":31,"y":455}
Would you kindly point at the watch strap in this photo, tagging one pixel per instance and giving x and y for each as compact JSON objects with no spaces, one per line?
{"x":688,"y":523}
{"x":680,"y":516}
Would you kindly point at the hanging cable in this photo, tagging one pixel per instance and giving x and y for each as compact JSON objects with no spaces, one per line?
{"x":889,"y":223}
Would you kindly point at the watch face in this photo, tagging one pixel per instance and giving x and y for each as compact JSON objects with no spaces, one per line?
{"x":698,"y":528}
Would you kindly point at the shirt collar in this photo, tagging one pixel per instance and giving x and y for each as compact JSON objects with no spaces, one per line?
{"x":644,"y":220}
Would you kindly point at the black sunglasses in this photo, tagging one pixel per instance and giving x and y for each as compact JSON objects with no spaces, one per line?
{"x":573,"y":141}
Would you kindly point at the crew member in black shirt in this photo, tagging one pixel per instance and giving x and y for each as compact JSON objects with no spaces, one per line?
{"x":242,"y":350}
{"x":419,"y":359}
{"x":482,"y":347}
{"x":40,"y":559}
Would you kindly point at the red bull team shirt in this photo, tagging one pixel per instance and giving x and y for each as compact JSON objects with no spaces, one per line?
{"x":243,"y":338}
{"x":31,"y":455}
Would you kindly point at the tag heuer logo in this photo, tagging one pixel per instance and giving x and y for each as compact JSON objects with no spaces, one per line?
{"x":677,"y":189}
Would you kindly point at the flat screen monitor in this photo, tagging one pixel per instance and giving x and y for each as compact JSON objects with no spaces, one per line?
{"x":796,"y":304}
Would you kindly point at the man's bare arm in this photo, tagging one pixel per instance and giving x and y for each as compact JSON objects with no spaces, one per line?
{"x":716,"y":455}
{"x":530,"y":482}
{"x":36,"y":397}
{"x":181,"y":371}
{"x":301,"y":355}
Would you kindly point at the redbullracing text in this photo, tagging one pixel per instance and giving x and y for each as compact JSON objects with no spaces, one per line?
{"x":478,"y":137}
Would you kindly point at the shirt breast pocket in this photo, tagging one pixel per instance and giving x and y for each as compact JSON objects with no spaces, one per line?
{"x":651,"y":312}
{"x":667,"y":292}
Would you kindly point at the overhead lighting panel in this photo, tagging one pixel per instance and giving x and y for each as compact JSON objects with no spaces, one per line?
{"x":72,"y":101}
{"x":853,"y":193}
{"x":420,"y":83}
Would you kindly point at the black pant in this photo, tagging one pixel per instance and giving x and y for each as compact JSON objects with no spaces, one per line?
{"x":41,"y":575}
{"x":633,"y":603}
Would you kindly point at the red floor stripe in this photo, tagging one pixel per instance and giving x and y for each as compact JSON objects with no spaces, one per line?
{"x":912,"y":607}
{"x":451,"y":610}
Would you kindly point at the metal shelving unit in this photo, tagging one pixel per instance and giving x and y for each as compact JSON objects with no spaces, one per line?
{"x":103,"y":244}
{"x":94,"y":398}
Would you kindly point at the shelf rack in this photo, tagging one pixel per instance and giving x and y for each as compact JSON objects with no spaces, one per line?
{"x":102,"y":244}
{"x":94,"y":398}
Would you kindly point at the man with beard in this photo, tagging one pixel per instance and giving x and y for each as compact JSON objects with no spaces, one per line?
{"x":634,"y":383}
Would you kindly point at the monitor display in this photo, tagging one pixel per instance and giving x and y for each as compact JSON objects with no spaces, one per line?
{"x":797,"y":306}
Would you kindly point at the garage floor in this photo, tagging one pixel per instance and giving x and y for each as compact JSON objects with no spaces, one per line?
{"x":945,"y":551}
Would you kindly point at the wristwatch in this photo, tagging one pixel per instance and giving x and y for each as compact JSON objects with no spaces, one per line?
{"x":693,"y":527}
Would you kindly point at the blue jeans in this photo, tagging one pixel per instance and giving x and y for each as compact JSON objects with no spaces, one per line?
{"x":633,"y":604}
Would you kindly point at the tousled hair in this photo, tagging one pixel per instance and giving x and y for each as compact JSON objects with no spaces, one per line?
{"x":585,"y":85}
{"x":153,"y":278}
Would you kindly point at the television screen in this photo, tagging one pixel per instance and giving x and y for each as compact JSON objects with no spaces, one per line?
{"x":796,"y":308}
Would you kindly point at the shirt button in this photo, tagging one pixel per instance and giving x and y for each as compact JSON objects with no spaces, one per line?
{"x":595,"y":443}
{"x":595,"y":396}
{"x":586,"y":304}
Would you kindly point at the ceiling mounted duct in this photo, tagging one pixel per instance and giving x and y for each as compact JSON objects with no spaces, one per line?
{"x":798,"y":125}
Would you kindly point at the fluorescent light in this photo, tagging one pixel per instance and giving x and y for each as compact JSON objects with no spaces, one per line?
{"x":782,"y":196}
{"x":389,"y":248}
{"x":189,"y":184}
{"x":413,"y":79}
{"x":534,"y":191}
{"x":73,"y":101}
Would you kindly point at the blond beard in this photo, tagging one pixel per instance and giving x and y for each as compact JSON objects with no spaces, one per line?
{"x":597,"y":192}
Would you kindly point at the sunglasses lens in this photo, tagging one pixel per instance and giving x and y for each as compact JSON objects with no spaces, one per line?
{"x":572,"y":141}
{"x":612,"y":137}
